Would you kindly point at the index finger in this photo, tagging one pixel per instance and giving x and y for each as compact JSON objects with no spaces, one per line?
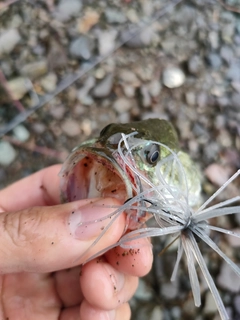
{"x":39,"y":189}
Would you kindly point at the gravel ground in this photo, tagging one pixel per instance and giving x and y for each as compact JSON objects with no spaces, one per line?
{"x":182,"y":65}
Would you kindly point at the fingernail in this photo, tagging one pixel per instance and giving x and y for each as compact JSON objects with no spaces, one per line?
{"x":88,"y":221}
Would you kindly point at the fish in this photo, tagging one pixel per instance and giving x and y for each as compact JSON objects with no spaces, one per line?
{"x":95,"y":167}
{"x":160,"y":183}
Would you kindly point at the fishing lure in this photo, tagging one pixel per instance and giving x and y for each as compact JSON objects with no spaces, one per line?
{"x":168,"y":203}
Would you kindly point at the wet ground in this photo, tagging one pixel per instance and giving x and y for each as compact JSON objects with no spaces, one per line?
{"x":178,"y":63}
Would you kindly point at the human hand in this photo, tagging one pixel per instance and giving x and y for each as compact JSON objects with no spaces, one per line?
{"x":42,"y":246}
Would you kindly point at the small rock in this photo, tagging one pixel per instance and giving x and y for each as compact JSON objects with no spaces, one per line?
{"x":156,"y":314}
{"x":38,"y":127}
{"x":122,"y":105}
{"x":88,"y":85}
{"x":195,"y":65}
{"x":154,"y":88}
{"x":82,"y":47}
{"x":217,"y":174}
{"x":7,"y":153}
{"x":213,"y":38}
{"x":228,"y":279}
{"x":49,"y":82}
{"x":106,"y":41}
{"x":8,"y":40}
{"x":68,"y":9}
{"x":19,"y":87}
{"x":71,"y":128}
{"x":146,"y":98}
{"x":214,"y":60}
{"x":173,"y":77}
{"x":170,"y":290}
{"x":210,"y":305}
{"x":21,"y":133}
{"x":90,"y":18}
{"x":115,"y":16}
{"x":190,"y":98}
{"x":35,"y":69}
{"x":143,"y":291}
{"x":233,"y":72}
{"x":227,"y":54}
{"x":139,"y":40}
{"x":236,"y":85}
{"x":57,"y":112}
{"x":130,"y":77}
{"x":103,"y":88}
{"x":129,"y":91}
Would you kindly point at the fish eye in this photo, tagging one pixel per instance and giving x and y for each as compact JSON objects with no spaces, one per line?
{"x":152,"y":153}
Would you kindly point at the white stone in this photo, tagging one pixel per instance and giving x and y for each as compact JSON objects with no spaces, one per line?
{"x":7,"y":153}
{"x":8,"y":40}
{"x":19,"y":87}
{"x":49,"y":82}
{"x":21,"y":133}
{"x":173,"y":77}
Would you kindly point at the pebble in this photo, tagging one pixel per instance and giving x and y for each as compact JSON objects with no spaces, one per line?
{"x":214,"y":60}
{"x":21,"y":133}
{"x":156,"y":314}
{"x":35,"y":69}
{"x":7,"y":153}
{"x":142,"y":39}
{"x":71,"y":128}
{"x":143,"y":292}
{"x":122,"y":105}
{"x":154,"y":88}
{"x":49,"y":82}
{"x":130,"y":77}
{"x":217,"y":174}
{"x":104,"y":87}
{"x":228,"y":279}
{"x":90,"y":18}
{"x":114,"y":16}
{"x":82,"y":47}
{"x":8,"y":40}
{"x":210,"y":305}
{"x":84,"y":91}
{"x":173,"y":77}
{"x":128,"y":90}
{"x":57,"y":112}
{"x":68,"y":9}
{"x":19,"y":87}
{"x":106,"y":41}
{"x":233,"y":73}
{"x":146,"y":98}
{"x":226,"y":53}
{"x":195,"y":64}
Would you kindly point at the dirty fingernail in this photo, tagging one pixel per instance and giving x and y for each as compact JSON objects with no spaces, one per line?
{"x":89,"y":221}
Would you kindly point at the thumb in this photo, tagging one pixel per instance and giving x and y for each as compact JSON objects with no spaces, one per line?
{"x":45,"y":239}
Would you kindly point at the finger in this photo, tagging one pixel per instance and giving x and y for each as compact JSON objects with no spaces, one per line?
{"x":88,"y":312}
{"x":44,"y":239}
{"x":136,"y":261}
{"x":68,"y":287}
{"x":72,"y":313}
{"x":118,"y":288}
{"x":39,"y":189}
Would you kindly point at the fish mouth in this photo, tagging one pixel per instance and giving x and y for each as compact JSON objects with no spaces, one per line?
{"x":91,"y":173}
